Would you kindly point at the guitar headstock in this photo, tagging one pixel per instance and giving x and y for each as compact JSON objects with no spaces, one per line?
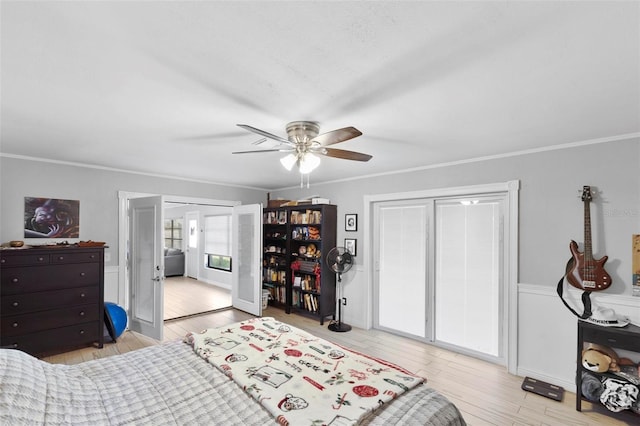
{"x":587,"y":194}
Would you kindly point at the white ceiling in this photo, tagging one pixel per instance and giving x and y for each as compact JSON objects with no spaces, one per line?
{"x":159,"y":86}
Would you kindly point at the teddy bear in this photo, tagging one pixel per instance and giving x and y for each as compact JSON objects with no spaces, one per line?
{"x":600,"y":359}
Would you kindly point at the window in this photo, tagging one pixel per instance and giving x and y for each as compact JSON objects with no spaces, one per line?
{"x":216,"y":261}
{"x":217,"y":242}
{"x":173,"y":233}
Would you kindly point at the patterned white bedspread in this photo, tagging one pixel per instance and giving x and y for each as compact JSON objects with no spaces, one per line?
{"x":298,"y":377}
{"x":162,"y":385}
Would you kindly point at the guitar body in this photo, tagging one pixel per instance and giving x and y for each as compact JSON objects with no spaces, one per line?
{"x":587,"y":274}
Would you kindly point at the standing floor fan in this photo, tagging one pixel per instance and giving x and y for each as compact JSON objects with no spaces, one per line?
{"x":340,"y":260}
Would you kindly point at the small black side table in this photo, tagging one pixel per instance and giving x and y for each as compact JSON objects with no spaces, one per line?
{"x":627,"y":338}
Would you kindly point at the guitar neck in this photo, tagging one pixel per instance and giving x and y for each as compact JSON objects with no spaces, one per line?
{"x":588,"y":254}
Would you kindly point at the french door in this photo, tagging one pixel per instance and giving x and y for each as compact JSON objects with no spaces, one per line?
{"x":146,"y":266}
{"x":246,"y":290}
{"x":146,"y":263}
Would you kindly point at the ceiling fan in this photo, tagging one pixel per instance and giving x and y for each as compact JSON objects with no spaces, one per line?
{"x":304,"y":141}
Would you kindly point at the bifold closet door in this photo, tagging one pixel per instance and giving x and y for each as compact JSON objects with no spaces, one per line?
{"x":401,"y":247}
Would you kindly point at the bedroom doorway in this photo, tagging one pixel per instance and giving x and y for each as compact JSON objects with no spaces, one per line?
{"x":192,"y":286}
{"x":149,"y":308}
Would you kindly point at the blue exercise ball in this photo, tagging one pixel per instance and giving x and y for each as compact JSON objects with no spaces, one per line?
{"x":118,"y":317}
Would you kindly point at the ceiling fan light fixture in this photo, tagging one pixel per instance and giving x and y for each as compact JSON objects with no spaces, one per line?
{"x":308,"y":162}
{"x":288,"y":161}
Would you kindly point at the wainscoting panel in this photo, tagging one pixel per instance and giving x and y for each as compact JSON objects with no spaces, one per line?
{"x":111,"y":287}
{"x":547,"y":330}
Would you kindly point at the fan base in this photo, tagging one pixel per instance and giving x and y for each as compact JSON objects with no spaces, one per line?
{"x":339,"y":327}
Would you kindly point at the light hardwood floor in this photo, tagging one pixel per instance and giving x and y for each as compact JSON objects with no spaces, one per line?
{"x":186,"y":296}
{"x":485,"y":393}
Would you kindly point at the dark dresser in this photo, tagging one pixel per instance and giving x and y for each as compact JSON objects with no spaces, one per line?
{"x":52,"y":298}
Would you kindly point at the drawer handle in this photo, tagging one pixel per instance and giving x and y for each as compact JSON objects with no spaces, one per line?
{"x":82,"y":274}
{"x":81,"y":331}
{"x":40,"y":259}
{"x":14,"y":280}
{"x":15,"y":304}
{"x":60,"y":257}
{"x":82,"y":295}
{"x":93,"y":256}
{"x":612,"y":340}
{"x":14,"y":325}
{"x":81,"y":313}
{"x":2,"y":261}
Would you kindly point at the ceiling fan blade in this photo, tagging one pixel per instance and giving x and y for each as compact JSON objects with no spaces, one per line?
{"x":265,"y":134}
{"x":344,"y":154}
{"x":212,"y":136}
{"x":262,"y":150}
{"x":337,"y":136}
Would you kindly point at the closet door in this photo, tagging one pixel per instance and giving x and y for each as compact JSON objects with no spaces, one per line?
{"x":401,"y":266}
{"x":468,"y":274}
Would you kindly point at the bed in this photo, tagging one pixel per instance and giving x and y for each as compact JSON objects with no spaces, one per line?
{"x":242,"y":374}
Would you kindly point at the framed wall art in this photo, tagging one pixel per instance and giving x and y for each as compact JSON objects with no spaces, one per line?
{"x":351,"y":245}
{"x":351,"y":222}
{"x":51,"y":218}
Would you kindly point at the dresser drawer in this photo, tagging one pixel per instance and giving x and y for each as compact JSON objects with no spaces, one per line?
{"x":56,"y":339}
{"x":28,"y":259}
{"x":15,"y":325}
{"x":15,"y":304}
{"x":85,"y":256}
{"x":48,"y":277}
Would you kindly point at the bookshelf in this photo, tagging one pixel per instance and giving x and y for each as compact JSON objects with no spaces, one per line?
{"x":296,"y":239}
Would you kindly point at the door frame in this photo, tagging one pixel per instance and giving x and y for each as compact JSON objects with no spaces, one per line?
{"x":511,"y":189}
{"x":123,"y":232}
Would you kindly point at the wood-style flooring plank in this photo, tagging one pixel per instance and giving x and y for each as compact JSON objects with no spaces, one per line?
{"x":186,"y":296}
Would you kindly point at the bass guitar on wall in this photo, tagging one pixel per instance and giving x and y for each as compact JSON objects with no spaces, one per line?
{"x":583,"y":271}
